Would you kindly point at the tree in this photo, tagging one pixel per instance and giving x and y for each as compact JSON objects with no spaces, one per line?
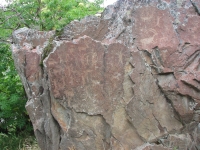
{"x":13,"y":115}
{"x":41,"y":15}
{"x":45,"y":14}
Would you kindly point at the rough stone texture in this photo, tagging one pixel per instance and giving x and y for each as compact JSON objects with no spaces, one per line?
{"x":128,"y":80}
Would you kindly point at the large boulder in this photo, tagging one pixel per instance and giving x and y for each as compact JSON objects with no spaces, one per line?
{"x":127,"y":80}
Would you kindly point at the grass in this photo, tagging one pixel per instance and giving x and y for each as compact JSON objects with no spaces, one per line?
{"x":22,"y":141}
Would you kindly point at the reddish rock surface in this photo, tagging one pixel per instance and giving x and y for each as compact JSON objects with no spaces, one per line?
{"x":128,"y":80}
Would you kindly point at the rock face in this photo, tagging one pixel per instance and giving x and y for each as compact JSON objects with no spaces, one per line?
{"x":128,"y":80}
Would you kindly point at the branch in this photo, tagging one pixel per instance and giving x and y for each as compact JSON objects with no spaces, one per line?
{"x":5,"y":41}
{"x":10,"y":28}
{"x":21,"y":18}
{"x":15,"y":15}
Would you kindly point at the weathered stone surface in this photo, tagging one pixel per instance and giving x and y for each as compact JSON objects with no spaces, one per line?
{"x":155,"y":117}
{"x":128,"y":80}
{"x":181,"y":141}
{"x":152,"y":147}
{"x":151,"y":27}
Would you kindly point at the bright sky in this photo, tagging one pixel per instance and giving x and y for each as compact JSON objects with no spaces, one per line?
{"x":2,"y":2}
{"x":106,"y":2}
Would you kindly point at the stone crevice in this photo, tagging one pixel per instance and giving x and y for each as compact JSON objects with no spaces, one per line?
{"x":177,"y":115}
{"x":121,"y":145}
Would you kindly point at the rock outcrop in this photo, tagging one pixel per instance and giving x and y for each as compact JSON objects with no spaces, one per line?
{"x":127,"y":80}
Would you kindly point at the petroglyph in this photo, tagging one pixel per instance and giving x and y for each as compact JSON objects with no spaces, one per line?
{"x":158,"y":21}
{"x":120,"y":57}
{"x":147,"y":15}
{"x":149,"y":40}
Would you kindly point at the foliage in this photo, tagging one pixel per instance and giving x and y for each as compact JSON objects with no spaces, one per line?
{"x":37,"y":14}
{"x":13,"y":115}
{"x":64,"y":12}
{"x":44,"y":14}
{"x":22,"y":141}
